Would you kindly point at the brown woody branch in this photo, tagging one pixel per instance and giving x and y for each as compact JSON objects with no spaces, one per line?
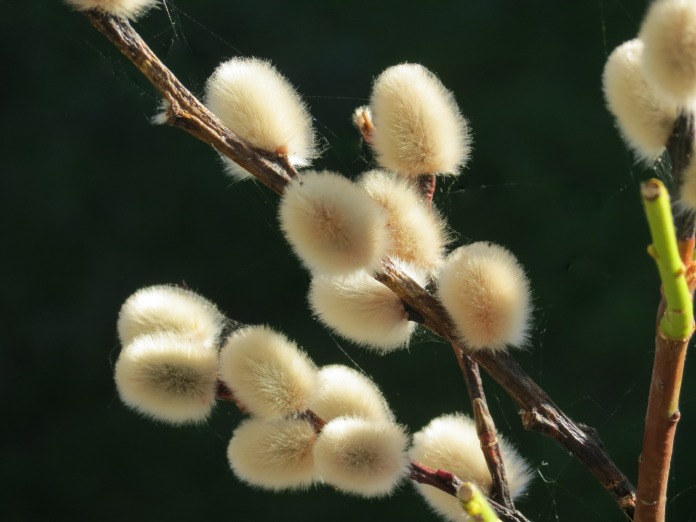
{"x":663,"y":413}
{"x":538,"y":411}
{"x":485,"y":428}
{"x":449,"y":483}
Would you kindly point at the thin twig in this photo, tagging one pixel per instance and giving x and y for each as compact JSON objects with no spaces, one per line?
{"x":485,"y":428}
{"x":449,"y":483}
{"x":539,"y":412}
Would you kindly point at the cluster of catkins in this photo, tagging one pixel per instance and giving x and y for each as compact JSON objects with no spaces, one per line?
{"x":307,"y":425}
{"x":650,"y":80}
{"x":331,"y":424}
{"x":343,"y":229}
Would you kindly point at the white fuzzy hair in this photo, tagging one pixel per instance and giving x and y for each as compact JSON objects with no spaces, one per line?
{"x":344,"y":391}
{"x":361,"y":457}
{"x":418,"y":127}
{"x":168,"y":377}
{"x":485,"y":291}
{"x":260,"y":105}
{"x":273,"y":454}
{"x":645,"y":120}
{"x":364,"y":310}
{"x":164,"y":308}
{"x":418,"y":232}
{"x":450,"y":443}
{"x":332,"y":224}
{"x":124,"y":8}
{"x":669,"y":55}
{"x":267,"y":372}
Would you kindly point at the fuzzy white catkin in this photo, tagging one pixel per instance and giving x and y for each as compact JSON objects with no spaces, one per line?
{"x":361,"y":457}
{"x":163,"y":308}
{"x":268,"y":373}
{"x":258,"y":104}
{"x":332,"y":224}
{"x":168,"y":377}
{"x":418,"y":127}
{"x":644,"y":119}
{"x":343,"y":391}
{"x":450,"y":442}
{"x":124,"y":8}
{"x":669,"y":57}
{"x":418,"y":232}
{"x":485,"y":291}
{"x":273,"y":454}
{"x":363,"y":310}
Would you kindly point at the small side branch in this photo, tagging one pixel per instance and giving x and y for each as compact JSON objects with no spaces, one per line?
{"x":449,"y":483}
{"x":485,"y":428}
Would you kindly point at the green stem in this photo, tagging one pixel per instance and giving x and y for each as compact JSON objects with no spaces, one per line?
{"x":475,"y":504}
{"x":678,"y":319}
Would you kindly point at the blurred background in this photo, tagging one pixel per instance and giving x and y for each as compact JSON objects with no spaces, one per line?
{"x":95,"y":202}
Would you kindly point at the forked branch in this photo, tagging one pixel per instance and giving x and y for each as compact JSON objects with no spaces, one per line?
{"x":539,"y":413}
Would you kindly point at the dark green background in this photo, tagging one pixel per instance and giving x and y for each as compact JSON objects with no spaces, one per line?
{"x":95,"y":203}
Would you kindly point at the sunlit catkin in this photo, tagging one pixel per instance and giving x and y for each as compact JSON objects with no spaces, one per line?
{"x":124,"y":8}
{"x":418,"y":127}
{"x":268,"y":373}
{"x":275,"y":454}
{"x":645,"y":119}
{"x":258,"y":104}
{"x":418,"y":232}
{"x":486,"y":292}
{"x":168,"y":377}
{"x":669,"y":57}
{"x":361,"y":457}
{"x":163,"y":308}
{"x":343,"y":391}
{"x":363,"y":310}
{"x":450,"y":442}
{"x":332,"y":224}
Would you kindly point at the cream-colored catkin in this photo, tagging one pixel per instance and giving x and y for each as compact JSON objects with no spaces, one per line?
{"x":669,"y":56}
{"x":419,"y":233}
{"x":124,"y":8}
{"x":165,"y":308}
{"x":361,"y":457}
{"x":343,"y":391}
{"x":450,"y":442}
{"x":418,"y":127}
{"x":333,"y":225}
{"x":260,"y":106}
{"x":268,"y":373}
{"x":645,"y":119}
{"x":273,"y":454}
{"x":168,"y":377}
{"x":486,"y":292}
{"x":363,"y":310}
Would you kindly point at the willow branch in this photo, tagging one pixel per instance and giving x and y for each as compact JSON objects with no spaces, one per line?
{"x":485,"y":428}
{"x":674,"y":332}
{"x":538,"y":411}
{"x":183,"y":110}
{"x":449,"y":483}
